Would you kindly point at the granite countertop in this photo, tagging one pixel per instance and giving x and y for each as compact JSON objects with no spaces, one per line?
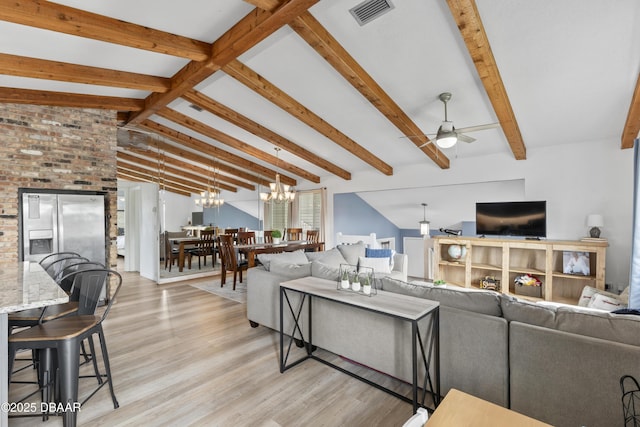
{"x":26,"y":285}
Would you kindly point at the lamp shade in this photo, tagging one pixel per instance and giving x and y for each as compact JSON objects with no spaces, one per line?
{"x":595,"y":220}
{"x":424,"y":228}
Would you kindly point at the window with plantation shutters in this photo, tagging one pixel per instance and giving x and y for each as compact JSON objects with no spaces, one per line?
{"x":276,"y":216}
{"x":309,"y":210}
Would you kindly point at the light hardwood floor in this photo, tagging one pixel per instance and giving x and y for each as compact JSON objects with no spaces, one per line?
{"x":182,"y":356}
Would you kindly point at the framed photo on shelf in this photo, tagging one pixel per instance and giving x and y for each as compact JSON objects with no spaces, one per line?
{"x":576,"y":263}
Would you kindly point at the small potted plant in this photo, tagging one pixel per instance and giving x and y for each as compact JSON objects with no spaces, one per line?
{"x":356,"y":283}
{"x":276,"y":235}
{"x":439,"y":283}
{"x":366,"y":286}
{"x":344,"y":282}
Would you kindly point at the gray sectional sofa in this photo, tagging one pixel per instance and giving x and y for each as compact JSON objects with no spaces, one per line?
{"x":558,"y":364}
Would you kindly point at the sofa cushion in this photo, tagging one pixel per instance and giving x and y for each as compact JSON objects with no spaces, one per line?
{"x":620,"y":328}
{"x":324,"y":271}
{"x":515,"y":310}
{"x":332,"y":257}
{"x":289,"y":270}
{"x":485,"y":302}
{"x":295,"y":257}
{"x":379,"y":265}
{"x":352,"y":252}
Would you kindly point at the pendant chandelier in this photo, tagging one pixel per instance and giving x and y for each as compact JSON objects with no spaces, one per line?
{"x":210,"y":198}
{"x":280,"y":193}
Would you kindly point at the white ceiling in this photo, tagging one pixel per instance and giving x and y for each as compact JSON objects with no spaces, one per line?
{"x":569,"y":68}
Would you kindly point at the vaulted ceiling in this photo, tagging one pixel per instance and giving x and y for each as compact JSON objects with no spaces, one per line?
{"x":216,"y":85}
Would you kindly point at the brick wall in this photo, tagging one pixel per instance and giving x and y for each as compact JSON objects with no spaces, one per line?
{"x":54,"y":148}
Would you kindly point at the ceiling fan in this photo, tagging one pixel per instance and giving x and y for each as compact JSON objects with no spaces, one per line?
{"x":447,"y":135}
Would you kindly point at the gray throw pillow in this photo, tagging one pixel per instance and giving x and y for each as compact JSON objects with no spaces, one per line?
{"x":290,"y":271}
{"x":351,"y":253}
{"x":332,"y":257}
{"x":324,"y":271}
{"x":296,"y":257}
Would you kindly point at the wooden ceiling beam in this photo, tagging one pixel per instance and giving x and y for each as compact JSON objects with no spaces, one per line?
{"x":467,"y":18}
{"x":260,"y":131}
{"x":632,"y":125}
{"x":187,"y":141}
{"x":330,"y":49}
{"x":166,"y":179}
{"x":186,"y":166}
{"x":64,"y":19}
{"x":136,"y":177}
{"x":255,"y":27}
{"x":149,"y":177}
{"x":218,"y":153}
{"x":246,"y":33}
{"x":21,"y":66}
{"x":269,"y":5}
{"x":183,"y":184}
{"x":268,"y":90}
{"x":188,"y":77}
{"x":165,"y":165}
{"x":65,"y":99}
{"x":235,"y":143}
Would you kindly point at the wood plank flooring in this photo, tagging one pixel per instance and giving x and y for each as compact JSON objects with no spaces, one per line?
{"x":182,"y":356}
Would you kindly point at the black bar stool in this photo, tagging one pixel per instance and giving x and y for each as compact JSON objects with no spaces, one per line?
{"x":61,"y":338}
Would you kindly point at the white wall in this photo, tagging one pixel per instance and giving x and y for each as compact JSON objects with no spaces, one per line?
{"x":149,"y":231}
{"x":175,"y":211}
{"x":575,"y":180}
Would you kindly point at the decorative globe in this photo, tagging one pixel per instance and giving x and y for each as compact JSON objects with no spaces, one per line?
{"x":457,"y":252}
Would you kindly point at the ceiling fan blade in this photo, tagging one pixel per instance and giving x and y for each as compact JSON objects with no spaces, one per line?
{"x":464,"y":138}
{"x":479,"y":127}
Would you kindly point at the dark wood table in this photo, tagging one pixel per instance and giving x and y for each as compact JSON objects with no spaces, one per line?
{"x":250,"y":251}
{"x":182,"y":242}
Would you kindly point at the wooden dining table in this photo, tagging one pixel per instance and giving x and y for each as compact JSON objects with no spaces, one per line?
{"x":250,"y":251}
{"x":23,"y":285}
{"x":182,"y":242}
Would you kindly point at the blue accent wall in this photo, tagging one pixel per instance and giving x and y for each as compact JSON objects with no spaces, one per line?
{"x":228,"y":216}
{"x":352,"y":215}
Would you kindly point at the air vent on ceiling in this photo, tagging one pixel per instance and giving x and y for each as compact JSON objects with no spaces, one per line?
{"x":369,"y":10}
{"x":195,"y":107}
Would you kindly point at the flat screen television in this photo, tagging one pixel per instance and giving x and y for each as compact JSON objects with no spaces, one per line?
{"x":528,"y":219}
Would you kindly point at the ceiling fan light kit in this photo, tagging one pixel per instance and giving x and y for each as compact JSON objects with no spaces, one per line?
{"x":447,"y":135}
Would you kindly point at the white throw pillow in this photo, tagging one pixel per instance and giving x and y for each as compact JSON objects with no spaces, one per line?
{"x":379,"y":265}
{"x":604,"y":302}
{"x":588,"y":293}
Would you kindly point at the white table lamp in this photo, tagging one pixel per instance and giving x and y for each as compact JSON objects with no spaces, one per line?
{"x":595,"y":221}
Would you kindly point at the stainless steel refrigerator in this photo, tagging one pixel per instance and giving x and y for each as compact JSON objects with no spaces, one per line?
{"x":63,"y":222}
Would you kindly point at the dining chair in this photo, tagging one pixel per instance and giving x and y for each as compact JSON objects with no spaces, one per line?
{"x":268,"y":238}
{"x":246,"y":237}
{"x":172,"y":251}
{"x":294,"y":234}
{"x":59,"y":340}
{"x":233,"y":232}
{"x":313,"y":236}
{"x":229,"y":260}
{"x":205,"y":247}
